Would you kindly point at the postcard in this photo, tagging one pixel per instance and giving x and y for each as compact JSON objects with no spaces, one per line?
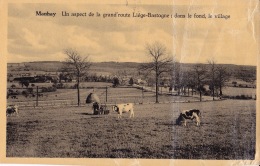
{"x":130,"y":82}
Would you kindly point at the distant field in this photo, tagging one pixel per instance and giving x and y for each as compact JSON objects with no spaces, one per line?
{"x":105,"y":68}
{"x":233,"y":91}
{"x":114,"y":95}
{"x":227,"y":132}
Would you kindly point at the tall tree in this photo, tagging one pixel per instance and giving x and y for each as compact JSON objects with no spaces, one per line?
{"x":200,"y":74}
{"x":175,"y":77}
{"x":191,"y":83}
{"x":222,"y":76}
{"x":212,"y":76}
{"x":77,"y":65}
{"x":159,"y":63}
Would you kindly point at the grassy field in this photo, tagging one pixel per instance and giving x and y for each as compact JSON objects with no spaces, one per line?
{"x":114,"y":95}
{"x":234,"y":91}
{"x":227,"y":131}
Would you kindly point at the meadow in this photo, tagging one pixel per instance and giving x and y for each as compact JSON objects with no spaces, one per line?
{"x":227,"y":131}
{"x":126,"y":94}
{"x":63,"y":97}
{"x":234,"y":91}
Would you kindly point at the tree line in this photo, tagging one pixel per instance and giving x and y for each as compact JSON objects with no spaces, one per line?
{"x":213,"y":75}
{"x":162,"y":64}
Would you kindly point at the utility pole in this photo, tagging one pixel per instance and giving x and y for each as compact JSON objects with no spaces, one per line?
{"x":106,"y":93}
{"x":142,"y":94}
{"x":37,"y":96}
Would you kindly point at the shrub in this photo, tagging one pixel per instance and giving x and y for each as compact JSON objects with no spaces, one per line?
{"x":60,"y":86}
{"x":49,"y":89}
{"x":25,"y":93}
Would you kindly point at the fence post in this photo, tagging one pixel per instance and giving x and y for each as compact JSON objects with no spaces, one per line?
{"x":106,"y":94}
{"x":142,"y":94}
{"x":36,"y":96}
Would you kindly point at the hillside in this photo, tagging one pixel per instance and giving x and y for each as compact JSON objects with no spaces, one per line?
{"x":106,"y":68}
{"x":111,"y":68}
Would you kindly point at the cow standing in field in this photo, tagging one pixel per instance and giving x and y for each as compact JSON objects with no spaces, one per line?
{"x":189,"y":114}
{"x":122,"y":108}
{"x":11,"y":109}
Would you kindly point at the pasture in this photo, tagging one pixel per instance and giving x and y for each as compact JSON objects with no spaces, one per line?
{"x":227,"y":131}
{"x":234,"y":91}
{"x":114,"y":95}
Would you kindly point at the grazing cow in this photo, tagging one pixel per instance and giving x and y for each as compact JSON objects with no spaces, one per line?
{"x":189,"y":114}
{"x":11,"y":109}
{"x":122,"y":108}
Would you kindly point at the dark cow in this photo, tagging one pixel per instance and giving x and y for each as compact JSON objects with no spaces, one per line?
{"x":11,"y":109}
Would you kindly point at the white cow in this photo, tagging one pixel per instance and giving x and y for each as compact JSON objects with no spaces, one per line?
{"x":122,"y":108}
{"x":11,"y":109}
{"x":189,"y":114}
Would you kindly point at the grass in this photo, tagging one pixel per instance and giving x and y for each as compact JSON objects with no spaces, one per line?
{"x":225,"y":133}
{"x":234,"y":91}
{"x":115,"y":95}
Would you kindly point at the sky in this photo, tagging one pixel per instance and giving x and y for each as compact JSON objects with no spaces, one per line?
{"x":188,"y":40}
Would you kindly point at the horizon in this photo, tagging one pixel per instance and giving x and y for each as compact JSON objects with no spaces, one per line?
{"x":44,"y":61}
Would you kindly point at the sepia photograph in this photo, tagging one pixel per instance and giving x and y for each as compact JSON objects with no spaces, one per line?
{"x":131,"y":81}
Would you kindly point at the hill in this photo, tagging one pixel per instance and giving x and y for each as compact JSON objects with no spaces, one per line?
{"x":111,"y":68}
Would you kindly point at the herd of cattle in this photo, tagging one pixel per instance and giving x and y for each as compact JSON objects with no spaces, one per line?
{"x":126,"y":108}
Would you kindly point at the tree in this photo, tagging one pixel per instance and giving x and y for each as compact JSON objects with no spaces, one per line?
{"x":234,"y":83}
{"x":160,"y":63}
{"x":175,"y":77}
{"x":131,"y":81}
{"x":77,"y":65}
{"x":13,"y":86}
{"x":222,"y":76}
{"x":190,"y":82}
{"x":24,"y":82}
{"x":115,"y":82}
{"x":212,"y":76}
{"x":200,"y":75}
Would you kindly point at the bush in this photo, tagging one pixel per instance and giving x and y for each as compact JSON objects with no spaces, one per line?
{"x":25,"y":93}
{"x":12,"y":92}
{"x":241,"y":97}
{"x":60,"y":86}
{"x":207,"y":93}
{"x":131,"y":81}
{"x":49,"y":89}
